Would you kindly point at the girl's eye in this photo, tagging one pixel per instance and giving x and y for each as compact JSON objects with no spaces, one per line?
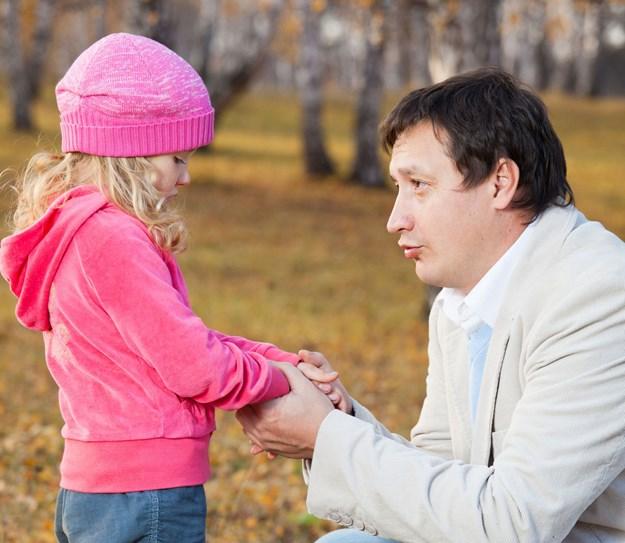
{"x":179,"y":160}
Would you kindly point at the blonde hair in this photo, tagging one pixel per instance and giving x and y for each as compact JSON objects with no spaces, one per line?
{"x":126,"y":182}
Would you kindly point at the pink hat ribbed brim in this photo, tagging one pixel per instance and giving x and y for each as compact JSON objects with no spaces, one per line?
{"x":139,"y":140}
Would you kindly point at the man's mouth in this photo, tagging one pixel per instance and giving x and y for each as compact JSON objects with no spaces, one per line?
{"x":411,"y":251}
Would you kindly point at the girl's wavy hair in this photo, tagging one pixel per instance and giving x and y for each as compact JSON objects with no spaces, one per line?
{"x":126,"y":182}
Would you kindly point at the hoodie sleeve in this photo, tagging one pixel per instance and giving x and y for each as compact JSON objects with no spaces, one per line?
{"x":133,"y":284}
{"x":268,"y":350}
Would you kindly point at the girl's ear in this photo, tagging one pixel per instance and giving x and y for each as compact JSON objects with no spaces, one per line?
{"x":505,"y":182}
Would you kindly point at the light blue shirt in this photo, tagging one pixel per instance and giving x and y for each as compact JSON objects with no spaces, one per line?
{"x":477,"y":312}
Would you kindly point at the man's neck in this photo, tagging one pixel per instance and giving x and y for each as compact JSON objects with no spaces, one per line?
{"x":510,"y":230}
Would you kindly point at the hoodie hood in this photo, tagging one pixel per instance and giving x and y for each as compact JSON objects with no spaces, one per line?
{"x":29,"y":259}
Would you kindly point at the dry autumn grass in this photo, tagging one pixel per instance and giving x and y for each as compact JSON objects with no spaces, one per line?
{"x":276,"y":257}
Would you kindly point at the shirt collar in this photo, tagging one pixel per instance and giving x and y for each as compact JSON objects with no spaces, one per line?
{"x":482,"y":303}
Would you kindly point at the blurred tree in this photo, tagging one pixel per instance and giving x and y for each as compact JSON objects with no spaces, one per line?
{"x":408,"y":45}
{"x":609,"y":75}
{"x":479,"y":29}
{"x":227,"y":42}
{"x":310,"y":81}
{"x":589,"y":31}
{"x":151,"y":18}
{"x":25,"y":66}
{"x":445,"y":38}
{"x":205,"y":32}
{"x":417,"y":47}
{"x":366,"y":169}
{"x":248,"y":37}
{"x":523,"y":40}
{"x":559,"y":28}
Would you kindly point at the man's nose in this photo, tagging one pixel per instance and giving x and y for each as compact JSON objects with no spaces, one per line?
{"x":400,"y":219}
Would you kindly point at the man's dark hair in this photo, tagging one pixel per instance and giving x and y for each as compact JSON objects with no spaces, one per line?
{"x":482,"y":116}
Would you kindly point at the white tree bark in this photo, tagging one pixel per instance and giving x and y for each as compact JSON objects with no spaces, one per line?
{"x":589,"y":35}
{"x":446,"y":41}
{"x":25,"y":71}
{"x":310,"y":83}
{"x":205,"y":32}
{"x":242,"y":49}
{"x":479,"y":29}
{"x":523,"y":40}
{"x":366,"y":169}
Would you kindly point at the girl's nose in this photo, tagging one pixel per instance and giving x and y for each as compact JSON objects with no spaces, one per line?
{"x":184,"y":179}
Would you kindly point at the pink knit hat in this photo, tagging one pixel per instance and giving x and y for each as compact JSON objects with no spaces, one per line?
{"x":128,"y":96}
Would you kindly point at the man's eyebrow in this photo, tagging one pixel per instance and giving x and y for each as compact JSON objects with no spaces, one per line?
{"x":415,"y":171}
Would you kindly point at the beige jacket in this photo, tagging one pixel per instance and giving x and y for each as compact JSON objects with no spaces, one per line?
{"x":545,"y":459}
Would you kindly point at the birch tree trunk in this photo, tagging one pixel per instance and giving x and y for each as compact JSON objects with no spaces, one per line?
{"x":25,"y":71}
{"x":17,"y":77}
{"x":589,"y":37}
{"x":227,"y":62}
{"x":310,"y":82}
{"x":420,"y":35}
{"x":366,"y":169}
{"x":413,"y":42}
{"x":479,"y":28}
{"x":523,"y":40}
{"x":609,"y":74}
{"x":561,"y":15}
{"x":205,"y":32}
{"x":101,"y":27}
{"x":253,"y":43}
{"x":445,"y":40}
{"x":152,"y":18}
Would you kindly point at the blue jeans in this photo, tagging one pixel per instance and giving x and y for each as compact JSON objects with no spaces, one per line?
{"x":152,"y":516}
{"x":352,"y":536}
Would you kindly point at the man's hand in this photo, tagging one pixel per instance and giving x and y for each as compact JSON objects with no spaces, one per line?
{"x":288,"y":425}
{"x":316,"y":367}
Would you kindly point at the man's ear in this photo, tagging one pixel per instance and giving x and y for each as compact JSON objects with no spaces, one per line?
{"x":505,"y":182}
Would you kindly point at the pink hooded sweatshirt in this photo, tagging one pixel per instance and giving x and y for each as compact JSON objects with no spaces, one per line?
{"x":139,"y":374}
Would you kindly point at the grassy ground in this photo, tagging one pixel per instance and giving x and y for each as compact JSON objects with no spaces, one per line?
{"x":276,"y":257}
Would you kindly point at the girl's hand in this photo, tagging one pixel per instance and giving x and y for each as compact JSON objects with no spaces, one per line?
{"x":317,"y":369}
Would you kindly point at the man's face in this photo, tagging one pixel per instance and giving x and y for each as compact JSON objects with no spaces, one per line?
{"x":446,"y":229}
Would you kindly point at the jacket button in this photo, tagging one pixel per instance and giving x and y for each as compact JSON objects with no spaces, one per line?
{"x":346,"y":521}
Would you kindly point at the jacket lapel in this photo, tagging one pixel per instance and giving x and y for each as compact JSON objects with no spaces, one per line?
{"x":482,"y":427}
{"x":553,"y":226}
{"x":456,"y":352}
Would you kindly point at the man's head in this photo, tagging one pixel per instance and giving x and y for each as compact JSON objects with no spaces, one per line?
{"x":485,"y":115}
{"x":475,"y":158}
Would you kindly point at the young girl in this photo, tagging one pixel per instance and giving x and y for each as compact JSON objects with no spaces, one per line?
{"x":91,"y":263}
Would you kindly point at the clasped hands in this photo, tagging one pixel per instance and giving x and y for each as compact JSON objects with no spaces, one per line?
{"x":288,"y":426}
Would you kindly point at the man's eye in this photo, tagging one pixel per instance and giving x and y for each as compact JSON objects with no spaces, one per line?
{"x":417,"y":183}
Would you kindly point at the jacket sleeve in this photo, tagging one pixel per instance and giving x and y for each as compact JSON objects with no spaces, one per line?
{"x":432,"y":433}
{"x":132,"y":283}
{"x":564,"y":447}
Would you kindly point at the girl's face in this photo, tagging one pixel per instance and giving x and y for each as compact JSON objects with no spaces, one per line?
{"x":171,"y":172}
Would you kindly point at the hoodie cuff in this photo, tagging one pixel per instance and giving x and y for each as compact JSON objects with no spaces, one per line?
{"x":274,"y":353}
{"x":278,"y":386}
